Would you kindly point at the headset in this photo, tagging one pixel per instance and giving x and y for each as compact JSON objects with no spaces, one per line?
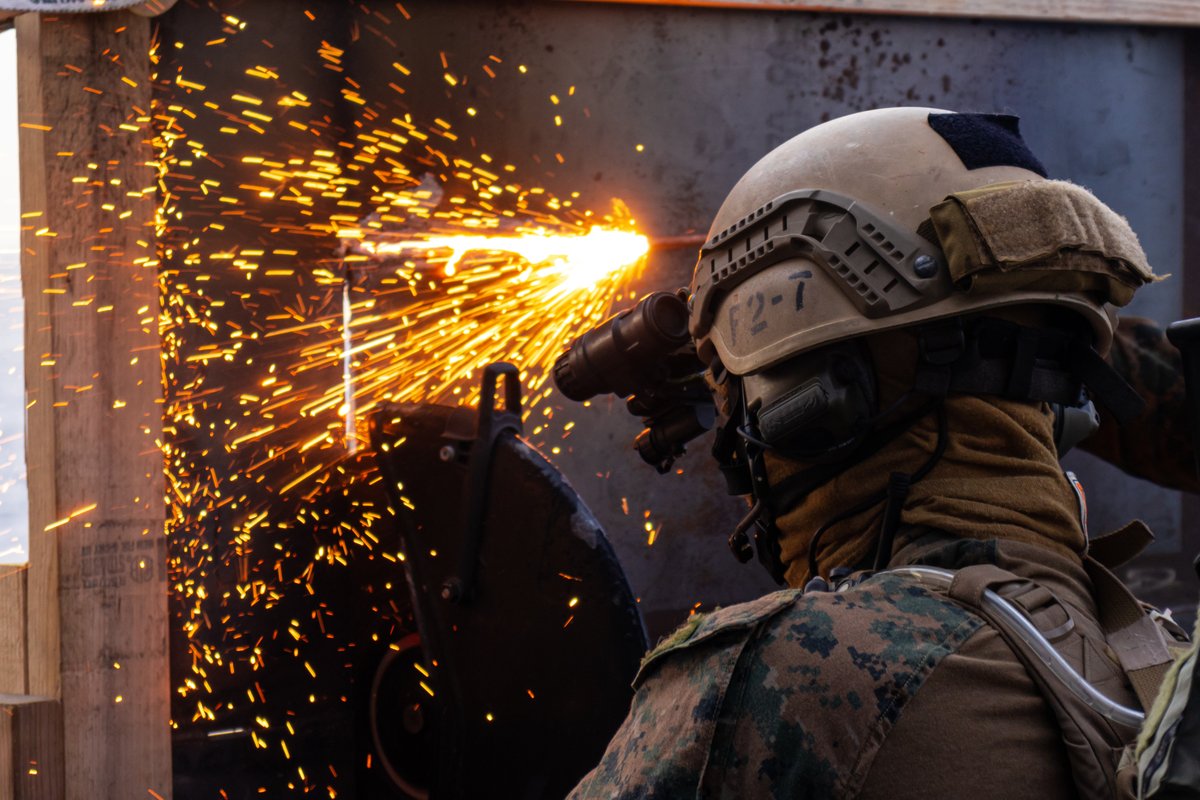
{"x":822,"y":408}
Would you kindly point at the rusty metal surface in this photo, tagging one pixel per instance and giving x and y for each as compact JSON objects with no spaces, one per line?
{"x":706,"y":92}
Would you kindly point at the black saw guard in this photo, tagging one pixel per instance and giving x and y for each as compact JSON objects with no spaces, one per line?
{"x":528,"y":629}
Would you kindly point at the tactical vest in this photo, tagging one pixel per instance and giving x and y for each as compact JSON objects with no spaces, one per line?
{"x":1096,"y":731}
{"x":796,"y":691}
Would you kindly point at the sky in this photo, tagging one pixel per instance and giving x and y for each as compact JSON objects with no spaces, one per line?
{"x":13,"y":501}
{"x":9,"y":213}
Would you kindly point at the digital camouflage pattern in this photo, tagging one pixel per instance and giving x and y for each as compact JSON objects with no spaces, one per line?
{"x":1157,"y":445}
{"x":791,"y":695}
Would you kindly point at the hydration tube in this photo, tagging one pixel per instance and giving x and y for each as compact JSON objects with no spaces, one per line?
{"x":1019,"y":624}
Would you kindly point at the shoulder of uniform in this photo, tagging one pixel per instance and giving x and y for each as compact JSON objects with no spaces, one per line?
{"x":889,"y":611}
{"x":827,"y":677}
{"x":897,"y":592}
{"x":821,"y":677}
{"x":701,"y":628}
{"x":884,"y":607}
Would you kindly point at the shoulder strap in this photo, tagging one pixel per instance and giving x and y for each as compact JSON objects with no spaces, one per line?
{"x":1120,"y":546}
{"x":1131,"y":633}
{"x":1093,"y":742}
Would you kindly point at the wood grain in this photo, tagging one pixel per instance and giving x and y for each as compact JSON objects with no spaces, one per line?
{"x":96,"y":586}
{"x":1119,"y":12}
{"x":14,"y":677}
{"x":30,"y":739}
{"x":42,"y":579}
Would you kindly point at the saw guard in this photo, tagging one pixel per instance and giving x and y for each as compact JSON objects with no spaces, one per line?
{"x":532,"y":656}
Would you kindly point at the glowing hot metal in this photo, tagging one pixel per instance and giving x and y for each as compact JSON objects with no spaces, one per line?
{"x":583,"y":259}
{"x":501,"y":297}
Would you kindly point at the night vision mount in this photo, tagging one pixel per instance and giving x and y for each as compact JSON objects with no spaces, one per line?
{"x":645,"y":356}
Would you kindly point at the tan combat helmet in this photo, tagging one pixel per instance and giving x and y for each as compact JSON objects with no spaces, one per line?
{"x":894,"y":217}
{"x":897,"y":218}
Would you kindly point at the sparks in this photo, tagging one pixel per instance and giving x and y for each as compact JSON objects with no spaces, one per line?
{"x":388,"y":262}
{"x":499,"y":298}
{"x":583,"y":260}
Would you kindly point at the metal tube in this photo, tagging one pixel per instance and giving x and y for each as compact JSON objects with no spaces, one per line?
{"x":1020,"y":624}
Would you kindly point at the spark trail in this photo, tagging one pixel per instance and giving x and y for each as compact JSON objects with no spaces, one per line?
{"x":312,"y":272}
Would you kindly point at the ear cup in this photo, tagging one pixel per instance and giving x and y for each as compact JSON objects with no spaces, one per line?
{"x":822,"y":403}
{"x":1073,"y":424}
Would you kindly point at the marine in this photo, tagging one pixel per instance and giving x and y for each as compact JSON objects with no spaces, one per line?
{"x":894,"y":308}
{"x":1157,"y":445}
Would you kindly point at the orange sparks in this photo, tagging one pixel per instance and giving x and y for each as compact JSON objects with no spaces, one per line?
{"x":433,"y":259}
{"x":76,"y":513}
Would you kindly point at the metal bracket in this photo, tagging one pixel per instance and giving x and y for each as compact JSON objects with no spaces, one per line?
{"x":493,"y":424}
{"x":882,"y":268}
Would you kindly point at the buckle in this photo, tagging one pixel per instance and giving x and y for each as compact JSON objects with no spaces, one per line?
{"x":942,"y":345}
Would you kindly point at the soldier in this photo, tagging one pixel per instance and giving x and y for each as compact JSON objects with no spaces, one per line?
{"x":1157,"y":445}
{"x":893,"y":307}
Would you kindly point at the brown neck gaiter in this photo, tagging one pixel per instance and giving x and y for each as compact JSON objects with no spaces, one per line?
{"x":999,"y":477}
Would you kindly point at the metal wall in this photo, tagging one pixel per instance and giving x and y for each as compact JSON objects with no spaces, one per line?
{"x":706,"y":93}
{"x":661,"y":107}
{"x":665,"y":107}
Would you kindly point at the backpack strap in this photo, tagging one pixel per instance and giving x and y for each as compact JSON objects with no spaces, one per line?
{"x":1093,"y":741}
{"x":1120,"y":546}
{"x":1133,"y":635}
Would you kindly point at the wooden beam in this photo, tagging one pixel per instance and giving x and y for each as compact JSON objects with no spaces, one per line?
{"x":42,"y":578}
{"x":14,"y":677}
{"x":96,"y":585}
{"x":30,"y":741}
{"x":1117,"y":12}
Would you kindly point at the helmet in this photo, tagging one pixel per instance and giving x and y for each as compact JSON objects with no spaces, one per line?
{"x":830,"y":236}
{"x":897,"y":218}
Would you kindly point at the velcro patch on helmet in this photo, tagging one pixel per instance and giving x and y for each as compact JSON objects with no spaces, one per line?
{"x":986,"y":140}
{"x":1044,"y":235}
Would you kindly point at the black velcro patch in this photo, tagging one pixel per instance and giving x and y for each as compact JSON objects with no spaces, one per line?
{"x":986,"y":140}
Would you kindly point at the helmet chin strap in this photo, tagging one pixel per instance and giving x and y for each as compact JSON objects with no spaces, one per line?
{"x":980,"y":356}
{"x":894,"y":494}
{"x":741,"y":454}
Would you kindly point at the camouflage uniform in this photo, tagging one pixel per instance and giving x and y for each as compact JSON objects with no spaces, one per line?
{"x":1157,"y":445}
{"x":886,"y":689}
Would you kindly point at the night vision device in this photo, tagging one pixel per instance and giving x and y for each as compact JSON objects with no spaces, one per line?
{"x":644,"y":355}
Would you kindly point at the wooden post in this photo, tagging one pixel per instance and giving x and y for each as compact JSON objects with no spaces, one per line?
{"x":30,"y":748}
{"x":96,"y":635}
{"x":14,"y":678}
{"x":1118,"y":12}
